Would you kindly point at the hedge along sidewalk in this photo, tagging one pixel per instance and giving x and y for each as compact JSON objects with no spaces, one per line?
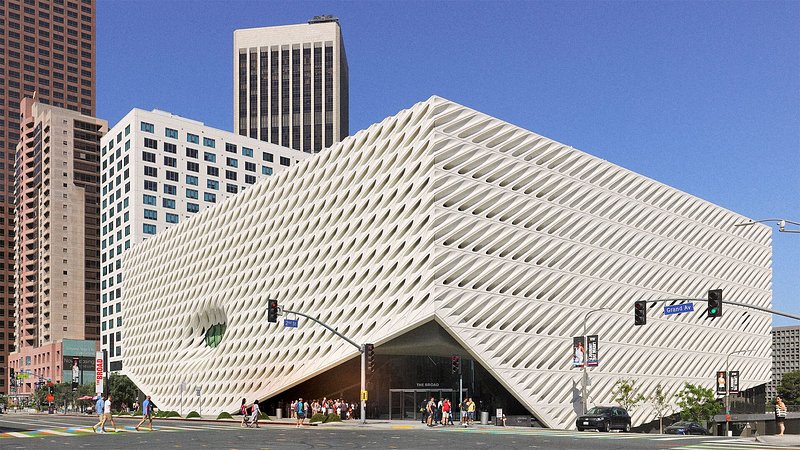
{"x":233,"y":420}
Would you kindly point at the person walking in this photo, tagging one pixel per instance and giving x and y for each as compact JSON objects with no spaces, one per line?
{"x":107,"y":412}
{"x":147,"y":413}
{"x":470,"y":411}
{"x":256,"y":413}
{"x":99,"y":406}
{"x":780,"y":415}
{"x":300,"y":409}
{"x":243,"y":411}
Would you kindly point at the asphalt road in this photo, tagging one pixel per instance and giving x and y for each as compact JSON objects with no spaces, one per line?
{"x":45,"y":432}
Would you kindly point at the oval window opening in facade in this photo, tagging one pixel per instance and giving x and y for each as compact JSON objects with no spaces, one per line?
{"x":214,"y":335}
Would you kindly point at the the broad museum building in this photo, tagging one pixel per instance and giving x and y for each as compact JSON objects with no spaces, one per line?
{"x":444,"y":232}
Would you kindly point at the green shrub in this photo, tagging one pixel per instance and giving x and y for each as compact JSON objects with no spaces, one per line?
{"x":263,"y":416}
{"x":171,"y":414}
{"x":224,"y":415}
{"x":333,"y":418}
{"x":192,"y":415}
{"x":318,"y":417}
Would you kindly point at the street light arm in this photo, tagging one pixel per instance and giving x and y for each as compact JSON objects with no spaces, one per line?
{"x":781,"y":224}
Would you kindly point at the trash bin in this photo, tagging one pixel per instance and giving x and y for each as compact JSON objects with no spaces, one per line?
{"x":279,"y":413}
{"x":484,"y":417}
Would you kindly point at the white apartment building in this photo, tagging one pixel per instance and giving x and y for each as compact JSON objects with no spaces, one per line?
{"x":158,"y":169}
{"x":290,"y":84}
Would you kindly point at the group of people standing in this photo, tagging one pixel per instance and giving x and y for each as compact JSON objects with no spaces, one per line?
{"x":441,"y":413}
{"x":301,"y":410}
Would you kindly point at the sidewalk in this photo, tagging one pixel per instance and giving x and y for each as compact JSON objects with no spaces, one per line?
{"x":787,"y":440}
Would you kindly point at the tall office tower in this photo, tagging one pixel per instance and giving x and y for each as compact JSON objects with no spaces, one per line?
{"x":785,"y":356}
{"x":56,"y":237}
{"x":159,"y":169}
{"x":290,"y":84}
{"x":47,"y":47}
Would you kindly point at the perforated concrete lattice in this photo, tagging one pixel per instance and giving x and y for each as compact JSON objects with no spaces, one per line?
{"x":504,"y":237}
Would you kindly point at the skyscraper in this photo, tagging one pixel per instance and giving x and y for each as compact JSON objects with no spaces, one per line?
{"x":291,"y":84}
{"x":47,"y":47}
{"x":56,"y":238}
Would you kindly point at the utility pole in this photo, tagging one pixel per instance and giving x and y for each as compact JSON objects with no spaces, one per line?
{"x":585,"y":383}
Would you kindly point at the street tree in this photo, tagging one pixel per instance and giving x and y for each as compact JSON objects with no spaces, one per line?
{"x":624,"y":394}
{"x":697,"y":403}
{"x":661,"y":403}
{"x":789,"y":387}
{"x":122,"y":389}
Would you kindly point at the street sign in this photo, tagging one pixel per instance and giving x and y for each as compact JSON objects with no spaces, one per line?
{"x":290,"y":323}
{"x":678,"y":309}
{"x":197,"y":391}
{"x":364,"y":396}
{"x":50,"y":398}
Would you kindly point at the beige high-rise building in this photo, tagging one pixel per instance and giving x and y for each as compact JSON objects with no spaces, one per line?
{"x":290,"y":84}
{"x":57,"y":236}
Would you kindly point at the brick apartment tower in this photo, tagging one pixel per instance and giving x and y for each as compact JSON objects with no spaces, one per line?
{"x":57,"y":236}
{"x":47,"y":47}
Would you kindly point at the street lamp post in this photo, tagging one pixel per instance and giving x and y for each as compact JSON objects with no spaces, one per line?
{"x":728,"y":387}
{"x":781,"y":224}
{"x":584,"y":385}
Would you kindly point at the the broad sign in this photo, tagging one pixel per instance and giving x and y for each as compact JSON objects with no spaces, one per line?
{"x":290,"y":323}
{"x":678,"y":309}
{"x":592,"y":359}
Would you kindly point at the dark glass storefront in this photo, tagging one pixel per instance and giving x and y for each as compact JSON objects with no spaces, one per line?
{"x":409,"y":369}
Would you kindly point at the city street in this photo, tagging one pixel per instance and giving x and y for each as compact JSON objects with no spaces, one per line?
{"x":55,"y":431}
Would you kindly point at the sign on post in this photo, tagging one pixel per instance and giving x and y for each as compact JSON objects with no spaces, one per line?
{"x":98,"y":373}
{"x":678,"y":309}
{"x":592,"y":342}
{"x":290,"y":323}
{"x":733,"y":381}
{"x":364,"y":396}
{"x":721,"y":387}
{"x":578,"y":351}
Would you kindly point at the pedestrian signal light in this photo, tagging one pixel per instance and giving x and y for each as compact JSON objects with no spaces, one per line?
{"x":272,"y":311}
{"x":715,"y":303}
{"x":456,"y":365}
{"x":369,"y":349}
{"x":640,"y":313}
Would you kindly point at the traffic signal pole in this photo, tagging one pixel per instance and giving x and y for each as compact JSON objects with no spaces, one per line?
{"x":728,"y":302}
{"x":361,"y":349}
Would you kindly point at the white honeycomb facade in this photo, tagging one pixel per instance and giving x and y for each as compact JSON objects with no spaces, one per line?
{"x":505,"y":238}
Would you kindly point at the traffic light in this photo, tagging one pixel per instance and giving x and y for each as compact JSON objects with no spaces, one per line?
{"x":640,"y":313}
{"x":369,"y":349}
{"x":50,"y":387}
{"x":715,"y":303}
{"x":272,"y":311}
{"x":456,"y":365}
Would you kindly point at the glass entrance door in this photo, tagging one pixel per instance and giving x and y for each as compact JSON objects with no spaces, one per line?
{"x":405,"y":404}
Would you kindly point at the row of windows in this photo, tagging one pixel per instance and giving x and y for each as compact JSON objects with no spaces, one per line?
{"x":195,"y":139}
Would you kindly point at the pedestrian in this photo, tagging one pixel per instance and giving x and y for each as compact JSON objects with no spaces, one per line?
{"x":423,"y":411}
{"x":301,"y":412}
{"x":780,"y":415}
{"x":430,"y":409}
{"x":462,"y":412}
{"x":445,"y":411}
{"x":293,"y":410}
{"x":256,"y":412}
{"x":243,"y":411}
{"x":470,"y":411}
{"x":98,"y":409}
{"x":107,"y":412}
{"x":147,"y":413}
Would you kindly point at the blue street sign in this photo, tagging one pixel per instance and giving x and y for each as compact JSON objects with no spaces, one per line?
{"x":290,"y":323}
{"x":677,"y":309}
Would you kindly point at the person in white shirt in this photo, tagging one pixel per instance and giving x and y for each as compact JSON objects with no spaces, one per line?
{"x":256,"y":412}
{"x":107,"y":412}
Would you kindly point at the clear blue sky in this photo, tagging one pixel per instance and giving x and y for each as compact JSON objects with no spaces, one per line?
{"x":702,"y":96}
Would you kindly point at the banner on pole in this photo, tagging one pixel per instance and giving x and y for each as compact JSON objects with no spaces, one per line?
{"x":578,"y":351}
{"x":733,"y":381}
{"x":591,"y":350}
{"x":721,"y":387}
{"x":98,"y":373}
